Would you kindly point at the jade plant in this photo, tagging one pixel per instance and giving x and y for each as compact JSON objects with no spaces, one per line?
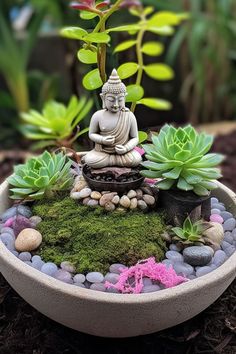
{"x":190,"y":232}
{"x":57,"y":125}
{"x":179,"y":156}
{"x":41,"y":177}
{"x":95,"y":43}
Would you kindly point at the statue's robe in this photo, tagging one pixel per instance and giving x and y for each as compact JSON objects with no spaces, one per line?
{"x":104,"y":155}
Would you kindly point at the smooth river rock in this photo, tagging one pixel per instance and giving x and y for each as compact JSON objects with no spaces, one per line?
{"x":28,"y":240}
{"x":198,"y":255}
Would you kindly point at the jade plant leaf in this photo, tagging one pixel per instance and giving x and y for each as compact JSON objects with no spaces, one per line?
{"x":73,"y":32}
{"x":152,"y":48}
{"x":142,"y":136}
{"x":86,"y":56}
{"x":97,"y":38}
{"x":92,"y":80}
{"x":159,"y":71}
{"x":125,"y":45}
{"x":134,"y":93}
{"x":86,"y":15}
{"x":156,"y":103}
{"x":128,"y":69}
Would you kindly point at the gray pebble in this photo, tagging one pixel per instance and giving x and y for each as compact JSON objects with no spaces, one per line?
{"x":24,"y":210}
{"x":117,"y":268}
{"x":9,"y":213}
{"x":214,"y":200}
{"x":191,"y":276}
{"x":173,"y":255}
{"x":85,"y":192}
{"x":25,"y":256}
{"x":15,"y":253}
{"x":35,"y":220}
{"x":219,"y":258}
{"x":234,"y":234}
{"x":229,"y":224}
{"x":112,"y":277}
{"x":168,"y":262}
{"x":98,"y":287}
{"x":38,"y":264}
{"x":198,"y":255}
{"x":36,"y":257}
{"x":150,"y":288}
{"x":230,"y":250}
{"x":68,"y":266}
{"x":174,"y":247}
{"x":8,"y":230}
{"x":226,"y":215}
{"x":92,"y":202}
{"x":147,"y":281}
{"x":79,"y":278}
{"x":229,"y":239}
{"x":112,"y":290}
{"x":215,"y":211}
{"x":95,"y":277}
{"x":225,"y":245}
{"x":183,"y":268}
{"x":218,"y":206}
{"x":28,"y":263}
{"x":80,"y":285}
{"x":203,"y":270}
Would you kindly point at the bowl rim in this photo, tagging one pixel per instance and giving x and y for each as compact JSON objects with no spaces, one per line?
{"x":210,"y":279}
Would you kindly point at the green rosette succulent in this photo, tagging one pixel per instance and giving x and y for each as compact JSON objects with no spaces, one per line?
{"x":179,"y":156}
{"x":190,"y":233}
{"x":41,"y":177}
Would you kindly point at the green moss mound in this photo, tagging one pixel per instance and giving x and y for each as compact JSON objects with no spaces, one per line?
{"x":93,"y":239}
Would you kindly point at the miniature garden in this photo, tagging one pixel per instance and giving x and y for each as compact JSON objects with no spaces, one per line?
{"x":135,"y":211}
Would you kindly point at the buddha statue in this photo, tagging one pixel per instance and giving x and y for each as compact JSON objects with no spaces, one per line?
{"x":113,"y":129}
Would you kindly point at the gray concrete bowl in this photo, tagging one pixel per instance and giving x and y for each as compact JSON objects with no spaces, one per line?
{"x":116,"y":315}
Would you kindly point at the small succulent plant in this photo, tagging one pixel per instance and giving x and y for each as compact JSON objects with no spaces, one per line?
{"x":57,"y":124}
{"x":41,"y":176}
{"x":190,"y":232}
{"x":179,"y":157}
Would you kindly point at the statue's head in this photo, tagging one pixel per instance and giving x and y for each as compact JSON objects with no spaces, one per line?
{"x":113,"y":93}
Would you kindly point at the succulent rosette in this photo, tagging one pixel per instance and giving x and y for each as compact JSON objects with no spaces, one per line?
{"x":179,"y":156}
{"x":41,"y":176}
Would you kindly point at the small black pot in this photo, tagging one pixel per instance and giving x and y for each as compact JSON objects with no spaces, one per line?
{"x":179,"y":204}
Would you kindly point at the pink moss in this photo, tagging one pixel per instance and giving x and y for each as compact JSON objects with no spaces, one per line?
{"x":146,"y":268}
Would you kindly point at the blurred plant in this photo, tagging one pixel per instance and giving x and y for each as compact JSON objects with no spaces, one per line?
{"x":95,"y":45}
{"x":41,"y":177}
{"x":57,"y":124}
{"x":190,"y":232}
{"x":207,"y":59}
{"x":179,"y":157}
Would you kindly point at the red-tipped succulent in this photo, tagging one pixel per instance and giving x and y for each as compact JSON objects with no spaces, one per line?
{"x":89,"y":5}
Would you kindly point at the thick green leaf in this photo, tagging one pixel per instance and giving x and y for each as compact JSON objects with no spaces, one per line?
{"x":162,"y":31}
{"x":126,"y":70}
{"x":125,"y":28}
{"x":142,"y":136}
{"x":124,"y":46}
{"x":86,"y":56}
{"x":156,"y":103}
{"x":150,"y":174}
{"x":159,"y":71}
{"x":73,"y":32}
{"x":134,"y":93}
{"x":184,"y":185}
{"x":86,"y":15}
{"x":97,"y":38}
{"x":164,"y":18}
{"x":182,"y":155}
{"x":153,"y":48}
{"x":201,"y":191}
{"x":166,"y":184}
{"x":179,"y":232}
{"x":92,"y":80}
{"x":174,"y":173}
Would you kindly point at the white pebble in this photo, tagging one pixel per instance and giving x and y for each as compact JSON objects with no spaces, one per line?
{"x":183,"y":268}
{"x":219,"y":258}
{"x":36,"y":257}
{"x":25,"y":256}
{"x":68,"y":266}
{"x":95,"y":277}
{"x":117,"y":268}
{"x":203,"y":270}
{"x":173,"y":255}
{"x":38,"y":264}
{"x":229,"y":224}
{"x":98,"y":287}
{"x":79,"y":278}
{"x":112,"y":277}
{"x":49,"y":268}
{"x":226,"y":215}
{"x":230,"y":250}
{"x":64,"y":276}
{"x":215,"y":211}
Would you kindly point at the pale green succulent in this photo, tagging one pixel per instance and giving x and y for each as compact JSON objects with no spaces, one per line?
{"x":179,"y":157}
{"x":57,"y":124}
{"x":41,"y":176}
{"x":190,"y":232}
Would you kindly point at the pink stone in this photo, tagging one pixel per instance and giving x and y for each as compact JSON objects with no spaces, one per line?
{"x":9,"y":222}
{"x":216,"y":218}
{"x":20,"y":223}
{"x":150,"y":181}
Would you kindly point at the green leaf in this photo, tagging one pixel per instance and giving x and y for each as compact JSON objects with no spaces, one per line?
{"x":156,"y":103}
{"x":164,"y":18}
{"x":166,"y":184}
{"x":126,"y":70}
{"x":174,"y":173}
{"x":152,"y":48}
{"x":182,"y":155}
{"x":124,"y":46}
{"x":142,"y":136}
{"x":73,"y":32}
{"x":162,"y":31}
{"x":159,"y":71}
{"x":201,"y":191}
{"x":179,"y":232}
{"x":86,"y":15}
{"x":150,"y":174}
{"x":86,"y":56}
{"x":148,"y":10}
{"x":134,"y":93}
{"x":182,"y":184}
{"x":92,"y":80}
{"x":125,"y":28}
{"x":97,"y":38}
{"x":187,"y":224}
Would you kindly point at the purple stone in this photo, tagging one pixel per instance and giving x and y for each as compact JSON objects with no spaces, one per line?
{"x":20,"y":223}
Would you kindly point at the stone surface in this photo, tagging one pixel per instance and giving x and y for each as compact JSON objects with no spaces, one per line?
{"x":35,"y":220}
{"x":96,"y":195}
{"x":139,"y":193}
{"x":92,"y":202}
{"x":142,"y":205}
{"x":20,"y":223}
{"x":28,"y":240}
{"x":229,"y":224}
{"x":197,"y":255}
{"x":95,"y":277}
{"x":131,"y":194}
{"x":106,"y":198}
{"x":216,"y":218}
{"x":149,"y":200}
{"x":86,"y":201}
{"x":109,"y":206}
{"x":80,"y":185}
{"x":125,"y":201}
{"x":215,"y":234}
{"x":115,"y":200}
{"x":85,"y":192}
{"x":133,"y":203}
{"x":68,"y":266}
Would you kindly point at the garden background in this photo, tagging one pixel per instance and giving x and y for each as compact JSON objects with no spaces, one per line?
{"x":37,"y":64}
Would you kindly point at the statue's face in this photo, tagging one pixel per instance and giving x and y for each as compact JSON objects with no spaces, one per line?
{"x":113,"y":102}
